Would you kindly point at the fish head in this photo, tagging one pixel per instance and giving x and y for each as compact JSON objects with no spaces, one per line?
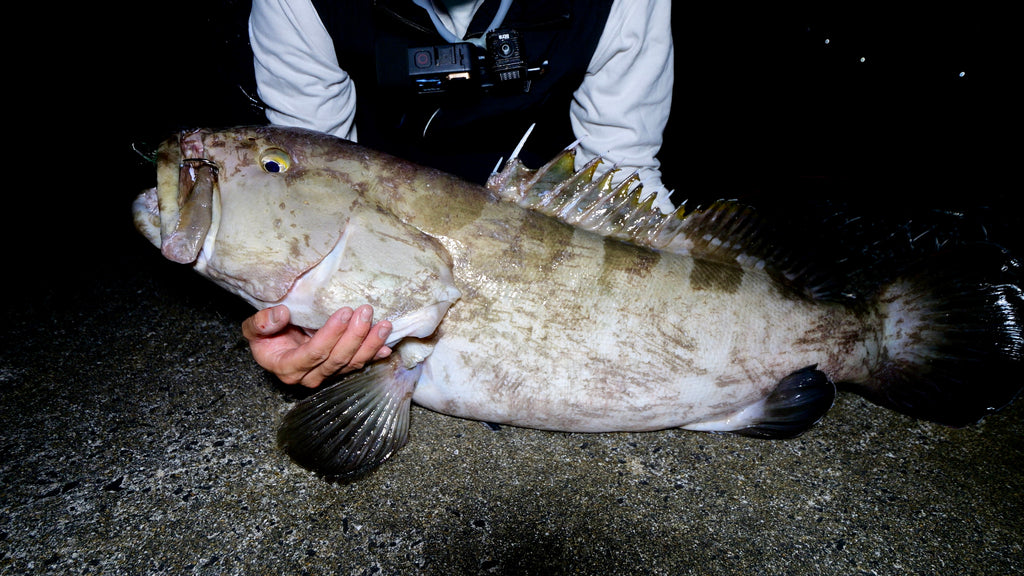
{"x":280,"y":216}
{"x":253,"y":208}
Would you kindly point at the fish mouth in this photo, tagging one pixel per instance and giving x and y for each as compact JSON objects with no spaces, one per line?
{"x":146,"y":214}
{"x":184,"y":196}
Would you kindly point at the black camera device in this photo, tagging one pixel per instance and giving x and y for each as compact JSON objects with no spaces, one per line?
{"x":446,"y":68}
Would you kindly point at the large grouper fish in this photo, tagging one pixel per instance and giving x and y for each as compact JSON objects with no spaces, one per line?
{"x":553,"y":299}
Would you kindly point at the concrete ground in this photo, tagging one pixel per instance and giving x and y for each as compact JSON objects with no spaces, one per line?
{"x":137,"y":437}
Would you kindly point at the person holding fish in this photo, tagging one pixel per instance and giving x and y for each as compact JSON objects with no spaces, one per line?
{"x":454,"y":84}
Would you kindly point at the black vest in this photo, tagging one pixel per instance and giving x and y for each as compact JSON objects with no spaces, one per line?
{"x":464,"y":133}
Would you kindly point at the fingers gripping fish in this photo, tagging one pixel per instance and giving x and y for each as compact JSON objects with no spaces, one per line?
{"x":554,"y":300}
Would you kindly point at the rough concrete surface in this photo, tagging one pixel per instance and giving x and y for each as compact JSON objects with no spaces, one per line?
{"x":138,"y":438}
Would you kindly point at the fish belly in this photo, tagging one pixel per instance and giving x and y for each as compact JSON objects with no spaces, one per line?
{"x":605,"y":337}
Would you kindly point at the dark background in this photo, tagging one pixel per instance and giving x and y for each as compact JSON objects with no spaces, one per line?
{"x":772,"y":106}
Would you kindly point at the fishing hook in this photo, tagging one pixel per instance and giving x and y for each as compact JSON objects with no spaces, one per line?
{"x":202,"y":161}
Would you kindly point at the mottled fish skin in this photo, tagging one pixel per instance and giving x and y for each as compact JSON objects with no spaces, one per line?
{"x":510,"y":307}
{"x":608,"y":336}
{"x":555,"y":327}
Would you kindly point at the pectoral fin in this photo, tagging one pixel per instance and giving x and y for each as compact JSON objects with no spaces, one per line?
{"x":353,"y":426}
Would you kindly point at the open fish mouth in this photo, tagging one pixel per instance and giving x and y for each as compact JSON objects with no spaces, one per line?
{"x":146,"y":212}
{"x":176,"y":215}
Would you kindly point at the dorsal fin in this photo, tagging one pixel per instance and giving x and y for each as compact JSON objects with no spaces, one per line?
{"x":580,"y":199}
{"x":726,"y":231}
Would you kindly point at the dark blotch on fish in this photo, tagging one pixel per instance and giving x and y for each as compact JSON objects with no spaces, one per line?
{"x":622,"y":259}
{"x":714,"y":276}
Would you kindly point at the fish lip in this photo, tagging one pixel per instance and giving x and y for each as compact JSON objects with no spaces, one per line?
{"x":195,"y":216}
{"x":146,"y":214}
{"x":185,"y":183}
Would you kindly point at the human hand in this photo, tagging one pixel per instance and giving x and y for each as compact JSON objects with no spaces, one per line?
{"x":346,"y":342}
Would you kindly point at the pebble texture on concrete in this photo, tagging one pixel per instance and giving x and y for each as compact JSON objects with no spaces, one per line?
{"x":137,"y":437}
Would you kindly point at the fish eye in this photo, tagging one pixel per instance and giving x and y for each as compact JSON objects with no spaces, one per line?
{"x":275,"y":160}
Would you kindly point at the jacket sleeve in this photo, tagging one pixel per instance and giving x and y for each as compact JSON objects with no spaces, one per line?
{"x":297,"y":73}
{"x":621,"y":109}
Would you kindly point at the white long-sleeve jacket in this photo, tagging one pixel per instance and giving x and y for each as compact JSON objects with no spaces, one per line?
{"x":619,"y":110}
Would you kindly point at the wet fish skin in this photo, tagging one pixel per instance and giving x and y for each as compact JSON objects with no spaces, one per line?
{"x":564,"y":307}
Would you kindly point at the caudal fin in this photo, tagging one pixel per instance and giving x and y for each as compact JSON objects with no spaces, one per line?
{"x":953,"y":339}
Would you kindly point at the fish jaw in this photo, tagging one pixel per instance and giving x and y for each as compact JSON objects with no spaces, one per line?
{"x":185,"y":193}
{"x":146,"y":213}
{"x":178,"y":213}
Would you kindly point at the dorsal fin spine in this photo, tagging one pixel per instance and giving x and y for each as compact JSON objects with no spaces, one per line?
{"x":725,"y":231}
{"x":592,"y":200}
{"x":580,"y":188}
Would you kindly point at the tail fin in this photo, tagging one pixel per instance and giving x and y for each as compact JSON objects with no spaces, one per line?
{"x":954,"y":341}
